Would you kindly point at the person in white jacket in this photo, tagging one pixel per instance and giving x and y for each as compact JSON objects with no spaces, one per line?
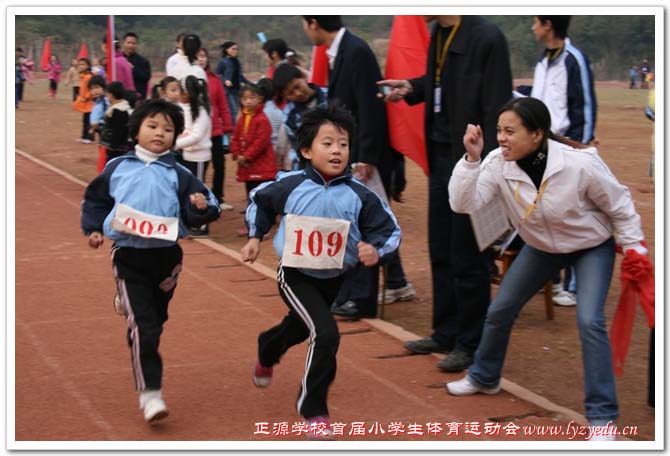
{"x":566,"y":205}
{"x":195,"y":142}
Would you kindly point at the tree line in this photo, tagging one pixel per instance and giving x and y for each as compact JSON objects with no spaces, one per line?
{"x":613,"y":43}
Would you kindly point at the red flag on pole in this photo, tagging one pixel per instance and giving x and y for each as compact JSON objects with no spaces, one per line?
{"x":46,"y":54}
{"x":319,"y":68}
{"x":406,"y":58}
{"x":83,"y":51}
{"x":111,"y":66}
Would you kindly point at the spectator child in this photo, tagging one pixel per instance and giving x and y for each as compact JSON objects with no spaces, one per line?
{"x":367,"y":230}
{"x":146,"y":184}
{"x":96,"y":87}
{"x":271,"y":109}
{"x":251,"y":144}
{"x":84,"y":102}
{"x":195,"y":142}
{"x":114,"y":132}
{"x":72,"y":78}
{"x":54,"y":69}
{"x":168,"y":89}
{"x":98,"y":68}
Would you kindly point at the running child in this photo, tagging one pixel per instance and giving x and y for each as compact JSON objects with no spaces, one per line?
{"x":330,"y":222}
{"x":143,"y":201}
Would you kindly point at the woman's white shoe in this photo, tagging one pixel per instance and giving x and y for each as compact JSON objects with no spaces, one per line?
{"x":464,"y":387}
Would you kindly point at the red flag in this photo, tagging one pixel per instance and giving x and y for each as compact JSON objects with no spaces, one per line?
{"x":637,"y":283}
{"x":83,"y":51}
{"x":46,"y":54}
{"x":319,"y":68}
{"x":406,"y":58}
{"x":111,"y":65}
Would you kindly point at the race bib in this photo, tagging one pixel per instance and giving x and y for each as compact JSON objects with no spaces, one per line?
{"x":314,"y":242}
{"x":137,"y":223}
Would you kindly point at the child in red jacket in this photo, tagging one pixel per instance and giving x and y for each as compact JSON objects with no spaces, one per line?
{"x":251,"y":143}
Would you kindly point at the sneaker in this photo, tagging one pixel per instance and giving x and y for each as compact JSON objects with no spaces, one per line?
{"x":198,"y":232}
{"x":226,"y":207}
{"x":85,"y":141}
{"x":262,"y":375}
{"x":153,"y":406}
{"x":425,"y":346}
{"x":118,"y":306}
{"x":565,"y":299}
{"x":465,"y":387}
{"x":456,"y":361}
{"x":319,"y":428}
{"x":406,"y":293}
{"x":347,"y":309}
{"x":555,"y":288}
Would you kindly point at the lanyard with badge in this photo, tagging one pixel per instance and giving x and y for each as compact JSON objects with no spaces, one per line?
{"x":441,"y":59}
{"x":529,"y":211}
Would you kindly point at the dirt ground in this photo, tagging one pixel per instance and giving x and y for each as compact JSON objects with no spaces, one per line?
{"x":544,"y":356}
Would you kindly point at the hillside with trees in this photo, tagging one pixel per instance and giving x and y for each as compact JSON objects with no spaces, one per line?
{"x":613,"y":43}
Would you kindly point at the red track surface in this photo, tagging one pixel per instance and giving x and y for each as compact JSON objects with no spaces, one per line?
{"x":73,"y":373}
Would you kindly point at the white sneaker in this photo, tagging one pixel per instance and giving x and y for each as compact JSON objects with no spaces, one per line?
{"x":226,"y":207}
{"x":406,"y":293}
{"x":555,"y":288}
{"x":153,"y":405}
{"x":565,"y":298}
{"x":464,"y":387}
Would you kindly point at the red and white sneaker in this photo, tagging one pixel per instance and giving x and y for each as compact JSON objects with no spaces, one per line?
{"x":319,"y":428}
{"x":262,"y":375}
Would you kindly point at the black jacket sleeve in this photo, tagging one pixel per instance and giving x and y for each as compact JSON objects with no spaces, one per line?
{"x":191,"y":215}
{"x":97,"y":203}
{"x":268,"y":200}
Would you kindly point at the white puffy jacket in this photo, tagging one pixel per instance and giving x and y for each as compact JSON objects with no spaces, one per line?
{"x":581,"y":206}
{"x":196,"y":140}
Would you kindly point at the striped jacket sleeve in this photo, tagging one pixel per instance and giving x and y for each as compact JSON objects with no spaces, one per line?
{"x":378,"y":225}
{"x":267,"y":200}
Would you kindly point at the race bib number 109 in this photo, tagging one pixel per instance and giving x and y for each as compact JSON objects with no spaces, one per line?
{"x":138,"y":223}
{"x":314,"y":242}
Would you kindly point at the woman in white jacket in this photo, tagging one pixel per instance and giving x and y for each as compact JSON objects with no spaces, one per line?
{"x":195,"y":142}
{"x":565,"y":204}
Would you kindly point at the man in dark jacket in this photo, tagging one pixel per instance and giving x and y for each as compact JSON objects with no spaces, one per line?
{"x":468,"y":78}
{"x":141,"y":66}
{"x":353,"y":74}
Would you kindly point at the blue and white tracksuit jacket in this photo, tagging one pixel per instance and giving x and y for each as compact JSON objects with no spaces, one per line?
{"x":565,"y":85}
{"x":160,"y":188}
{"x":305,"y":192}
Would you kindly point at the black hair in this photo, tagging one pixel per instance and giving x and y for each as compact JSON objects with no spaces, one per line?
{"x":225,"y":46}
{"x":560,"y":24}
{"x":207,"y":67}
{"x":155,"y":93}
{"x":284,"y":74}
{"x":152,"y":108}
{"x":131,"y":97}
{"x":19,"y":49}
{"x":117,"y":46}
{"x":130,"y":34}
{"x":191,"y":45}
{"x":97,"y":81}
{"x":180,"y":37}
{"x":85,"y":60}
{"x":196,"y":89}
{"x":534,"y":116}
{"x":251,"y":87}
{"x":313,"y":119}
{"x":275,"y":45}
{"x":115,"y":89}
{"x":328,"y":23}
{"x":266,"y":87}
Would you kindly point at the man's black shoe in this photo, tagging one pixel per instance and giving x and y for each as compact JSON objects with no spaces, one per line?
{"x":425,"y":346}
{"x":456,"y":361}
{"x":348,"y":309}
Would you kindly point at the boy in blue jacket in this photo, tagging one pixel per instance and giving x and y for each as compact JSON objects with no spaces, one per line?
{"x":330,"y":222}
{"x":143,"y":201}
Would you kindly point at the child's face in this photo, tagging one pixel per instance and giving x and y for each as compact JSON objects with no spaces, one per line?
{"x":82,"y":66}
{"x":97,"y":91}
{"x":96,"y":62}
{"x":250,"y":100}
{"x":329,"y":152}
{"x":297,"y":90}
{"x":156,"y":134}
{"x":173,"y":91}
{"x":202,"y":58}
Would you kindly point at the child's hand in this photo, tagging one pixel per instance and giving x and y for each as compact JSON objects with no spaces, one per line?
{"x":95,"y":239}
{"x":367,"y":254}
{"x":198,"y":200}
{"x":251,"y":250}
{"x":235,"y":157}
{"x":243,"y":161}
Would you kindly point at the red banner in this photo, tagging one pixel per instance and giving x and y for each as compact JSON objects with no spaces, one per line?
{"x":406,"y":58}
{"x":46,"y":54}
{"x":111,"y":67}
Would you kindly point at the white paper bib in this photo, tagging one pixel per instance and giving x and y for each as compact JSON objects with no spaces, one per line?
{"x":145,"y":225}
{"x":314,"y":242}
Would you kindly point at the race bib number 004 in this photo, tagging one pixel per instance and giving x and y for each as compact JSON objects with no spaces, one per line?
{"x":137,"y":223}
{"x":314,"y":242}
